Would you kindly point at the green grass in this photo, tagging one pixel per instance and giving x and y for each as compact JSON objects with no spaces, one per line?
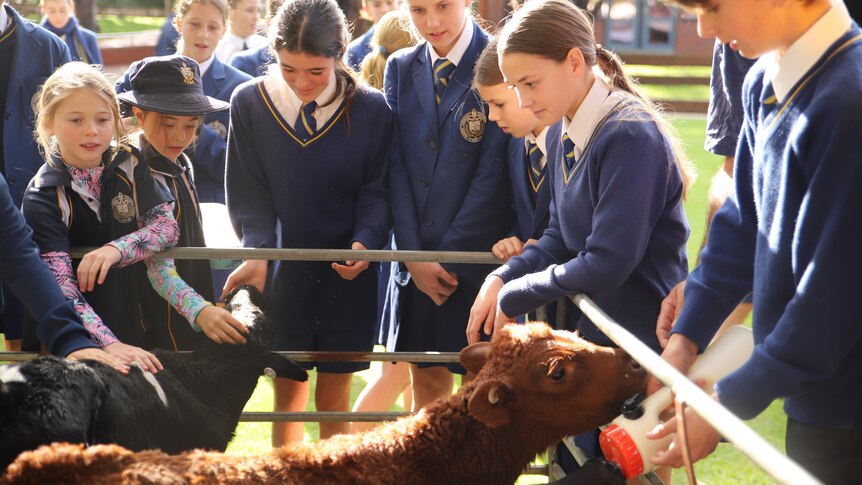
{"x":668,"y":71}
{"x":677,"y":92}
{"x":112,"y":24}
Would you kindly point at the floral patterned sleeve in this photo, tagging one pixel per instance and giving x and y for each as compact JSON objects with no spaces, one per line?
{"x":158,"y":231}
{"x":168,"y":283}
{"x":60,"y":264}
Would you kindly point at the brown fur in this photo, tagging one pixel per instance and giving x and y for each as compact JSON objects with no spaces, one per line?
{"x":487,"y":433}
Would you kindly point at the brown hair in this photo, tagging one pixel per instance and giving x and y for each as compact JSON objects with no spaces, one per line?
{"x":272,"y":7}
{"x":317,"y":28}
{"x":391,"y":34}
{"x":487,"y":71}
{"x":551,"y":28}
{"x":183,"y":7}
{"x":67,"y":79}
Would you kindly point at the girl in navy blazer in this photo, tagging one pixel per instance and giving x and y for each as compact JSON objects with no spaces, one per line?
{"x":307,"y":169}
{"x":449,"y":185}
{"x":201,"y":24}
{"x":58,"y":17}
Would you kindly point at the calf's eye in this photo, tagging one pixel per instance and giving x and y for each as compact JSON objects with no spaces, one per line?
{"x":558,"y":374}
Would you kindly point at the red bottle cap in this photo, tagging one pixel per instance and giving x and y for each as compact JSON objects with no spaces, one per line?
{"x":618,"y":447}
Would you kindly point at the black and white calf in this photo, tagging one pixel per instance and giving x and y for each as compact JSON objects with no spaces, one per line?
{"x":194,"y":403}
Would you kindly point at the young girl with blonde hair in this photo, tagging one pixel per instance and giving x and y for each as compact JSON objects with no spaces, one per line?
{"x":94,"y":190}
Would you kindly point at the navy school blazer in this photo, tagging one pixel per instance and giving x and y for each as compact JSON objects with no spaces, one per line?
{"x":448,"y":178}
{"x":37,"y":54}
{"x":531,"y":217}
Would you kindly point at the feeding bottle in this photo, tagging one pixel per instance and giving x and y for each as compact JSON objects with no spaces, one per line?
{"x":624,"y":441}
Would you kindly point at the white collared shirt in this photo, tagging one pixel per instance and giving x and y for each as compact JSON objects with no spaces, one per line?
{"x":540,"y":141}
{"x":597,"y":103}
{"x":231,"y":44}
{"x":4,"y":18}
{"x":288,"y":104}
{"x":457,"y":52}
{"x":206,"y":65}
{"x":784,"y":71}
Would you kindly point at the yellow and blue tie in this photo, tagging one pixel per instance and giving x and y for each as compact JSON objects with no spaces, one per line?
{"x":537,"y":172}
{"x":306,"y":125}
{"x":442,"y":70}
{"x":569,"y":151}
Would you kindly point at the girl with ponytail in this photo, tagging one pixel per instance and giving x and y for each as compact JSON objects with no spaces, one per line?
{"x":306,"y":168}
{"x":392,"y":33}
{"x":617,"y":229}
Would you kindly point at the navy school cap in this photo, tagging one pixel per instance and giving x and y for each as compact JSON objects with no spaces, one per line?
{"x":169,"y":85}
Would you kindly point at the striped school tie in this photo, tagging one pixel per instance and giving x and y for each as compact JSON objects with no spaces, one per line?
{"x":442,"y":70}
{"x":569,"y":151}
{"x":305,"y":123}
{"x":537,"y":173}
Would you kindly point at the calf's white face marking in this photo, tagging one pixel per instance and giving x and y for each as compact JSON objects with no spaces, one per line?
{"x":153,"y":382}
{"x":243,"y":309}
{"x":10,"y":373}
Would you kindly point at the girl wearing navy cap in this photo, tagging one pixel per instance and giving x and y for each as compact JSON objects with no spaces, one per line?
{"x":168,"y":101}
{"x":449,"y":185}
{"x":306,"y":168}
{"x":94,"y":192}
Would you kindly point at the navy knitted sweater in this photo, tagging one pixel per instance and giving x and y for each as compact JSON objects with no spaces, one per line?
{"x":792,"y":233}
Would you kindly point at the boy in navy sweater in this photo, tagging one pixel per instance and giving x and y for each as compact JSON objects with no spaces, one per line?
{"x":790,"y":233}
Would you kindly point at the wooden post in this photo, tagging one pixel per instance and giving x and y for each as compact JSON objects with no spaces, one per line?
{"x":86,"y":11}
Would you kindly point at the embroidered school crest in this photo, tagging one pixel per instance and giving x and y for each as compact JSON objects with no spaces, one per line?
{"x":473,"y":125}
{"x":188,"y":74}
{"x":123,"y":208}
{"x":219,"y":128}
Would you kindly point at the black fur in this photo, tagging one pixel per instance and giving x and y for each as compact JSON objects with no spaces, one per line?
{"x":90,"y":402}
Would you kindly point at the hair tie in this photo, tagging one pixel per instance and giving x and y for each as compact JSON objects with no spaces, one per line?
{"x":383,"y":50}
{"x":598,"y":47}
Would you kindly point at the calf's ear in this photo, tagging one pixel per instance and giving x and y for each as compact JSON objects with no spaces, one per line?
{"x":284,"y":367}
{"x":491,"y":403}
{"x":473,"y":357}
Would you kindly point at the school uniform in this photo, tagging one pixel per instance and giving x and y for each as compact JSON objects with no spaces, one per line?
{"x":170,"y":329}
{"x":28,"y":55}
{"x":208,"y":153}
{"x":324,"y":190}
{"x":253,"y":62}
{"x":168,"y":37}
{"x":62,"y":218}
{"x":449,"y":187}
{"x":530,"y":188}
{"x":791,"y":233}
{"x":232,"y":44}
{"x":724,"y":115}
{"x":358,"y":49}
{"x":80,"y":41}
{"x":23,"y":270}
{"x":617,"y":229}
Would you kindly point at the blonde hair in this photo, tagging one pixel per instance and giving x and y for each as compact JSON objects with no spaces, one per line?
{"x":391,"y":33}
{"x":551,"y":28}
{"x":69,"y":78}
